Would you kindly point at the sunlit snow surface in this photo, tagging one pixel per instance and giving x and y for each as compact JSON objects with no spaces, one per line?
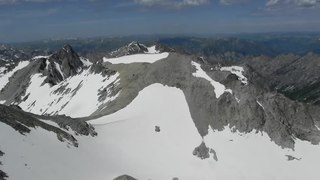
{"x":78,"y":99}
{"x":137,"y":58}
{"x":219,"y":88}
{"x":128,"y":144}
{"x":4,"y":78}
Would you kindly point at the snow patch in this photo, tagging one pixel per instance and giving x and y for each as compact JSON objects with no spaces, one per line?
{"x":40,"y":57}
{"x":59,"y":69}
{"x":152,"y":50}
{"x":237,"y":99}
{"x":259,"y":103}
{"x":219,"y":88}
{"x":137,"y":58}
{"x":85,"y":62}
{"x":2,"y":69}
{"x":238,"y":71}
{"x":76,"y":96}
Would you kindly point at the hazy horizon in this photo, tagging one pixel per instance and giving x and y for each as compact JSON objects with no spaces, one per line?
{"x":32,"y":20}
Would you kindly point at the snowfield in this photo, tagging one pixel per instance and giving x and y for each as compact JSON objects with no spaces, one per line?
{"x":219,"y":88}
{"x":78,"y":99}
{"x":138,"y":58}
{"x":127,"y":143}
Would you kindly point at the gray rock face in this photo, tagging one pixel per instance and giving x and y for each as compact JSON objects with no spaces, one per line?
{"x":253,"y":107}
{"x":296,"y":77}
{"x":69,"y":64}
{"x":132,"y":48}
{"x":202,"y":151}
{"x":125,"y":177}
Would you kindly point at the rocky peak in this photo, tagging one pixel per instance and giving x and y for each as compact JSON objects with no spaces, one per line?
{"x":62,"y":64}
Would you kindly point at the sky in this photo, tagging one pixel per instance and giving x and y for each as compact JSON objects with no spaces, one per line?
{"x":29,"y":20}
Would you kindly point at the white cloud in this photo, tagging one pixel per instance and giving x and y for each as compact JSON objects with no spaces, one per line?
{"x":299,"y":3}
{"x":172,"y":3}
{"x":2,"y":2}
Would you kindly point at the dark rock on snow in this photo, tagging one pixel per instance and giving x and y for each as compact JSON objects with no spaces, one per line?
{"x":124,"y":177}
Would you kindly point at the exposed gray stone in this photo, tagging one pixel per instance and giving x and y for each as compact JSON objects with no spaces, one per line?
{"x":214,"y":154}
{"x":124,"y":177}
{"x":202,"y":151}
{"x":281,"y":117}
{"x":291,"y":158}
{"x":157,"y":128}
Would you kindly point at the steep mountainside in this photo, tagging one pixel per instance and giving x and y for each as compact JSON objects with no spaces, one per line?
{"x":294,"y":76}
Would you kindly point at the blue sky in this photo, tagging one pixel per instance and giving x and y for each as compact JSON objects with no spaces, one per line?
{"x":27,"y":20}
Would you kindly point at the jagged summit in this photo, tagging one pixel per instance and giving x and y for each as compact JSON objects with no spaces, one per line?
{"x":68,"y":59}
{"x":60,"y":65}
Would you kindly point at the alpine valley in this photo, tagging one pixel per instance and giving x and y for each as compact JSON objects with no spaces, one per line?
{"x":161,"y":110}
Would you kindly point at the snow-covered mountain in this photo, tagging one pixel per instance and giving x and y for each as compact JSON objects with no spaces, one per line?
{"x":151,"y":114}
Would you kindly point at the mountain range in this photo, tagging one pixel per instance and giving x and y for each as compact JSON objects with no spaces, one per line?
{"x":160,"y":111}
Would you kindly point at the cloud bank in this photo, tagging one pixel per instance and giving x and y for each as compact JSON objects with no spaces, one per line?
{"x":298,"y":3}
{"x":188,"y":3}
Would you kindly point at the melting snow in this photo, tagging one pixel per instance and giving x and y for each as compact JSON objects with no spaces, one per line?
{"x":237,"y":70}
{"x":219,"y":88}
{"x":137,"y":58}
{"x":4,"y":78}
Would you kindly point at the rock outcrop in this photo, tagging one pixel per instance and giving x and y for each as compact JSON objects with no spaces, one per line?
{"x":124,"y":177}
